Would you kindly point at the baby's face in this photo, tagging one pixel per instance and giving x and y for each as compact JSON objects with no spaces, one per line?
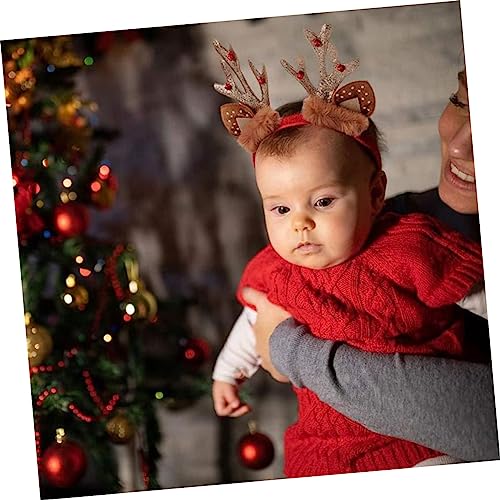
{"x":319,"y":203}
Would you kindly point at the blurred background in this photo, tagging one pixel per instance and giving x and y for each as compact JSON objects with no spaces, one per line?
{"x":175,"y":203}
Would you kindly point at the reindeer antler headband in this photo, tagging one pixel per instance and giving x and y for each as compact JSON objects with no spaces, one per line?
{"x":324,"y":106}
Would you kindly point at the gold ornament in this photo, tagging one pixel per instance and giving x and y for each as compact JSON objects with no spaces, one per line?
{"x":141,"y":305}
{"x":76,"y":297}
{"x":120,"y":429}
{"x":39,"y":343}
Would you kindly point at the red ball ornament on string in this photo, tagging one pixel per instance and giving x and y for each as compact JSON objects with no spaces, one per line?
{"x":71,"y":219}
{"x":255,"y":450}
{"x":63,"y":463}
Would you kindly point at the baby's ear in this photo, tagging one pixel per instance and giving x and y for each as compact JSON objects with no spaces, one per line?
{"x":377,"y":191}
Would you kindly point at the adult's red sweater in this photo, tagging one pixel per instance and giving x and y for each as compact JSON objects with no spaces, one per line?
{"x":397,"y":295}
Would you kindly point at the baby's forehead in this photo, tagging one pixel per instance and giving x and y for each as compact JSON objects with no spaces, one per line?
{"x":340,"y":152}
{"x":318,"y":146}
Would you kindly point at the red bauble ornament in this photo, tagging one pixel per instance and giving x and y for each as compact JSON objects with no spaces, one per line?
{"x":195,"y":351}
{"x":63,"y":464}
{"x":71,"y":219}
{"x":255,"y":450}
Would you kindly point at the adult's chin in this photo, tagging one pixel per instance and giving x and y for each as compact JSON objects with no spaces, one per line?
{"x":463,"y":202}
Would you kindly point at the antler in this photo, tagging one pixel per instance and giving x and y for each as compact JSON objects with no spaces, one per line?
{"x":231,"y":66}
{"x":323,"y":48}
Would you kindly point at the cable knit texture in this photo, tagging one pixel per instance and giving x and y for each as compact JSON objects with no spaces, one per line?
{"x":397,"y":295}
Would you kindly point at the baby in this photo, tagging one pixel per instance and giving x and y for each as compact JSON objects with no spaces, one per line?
{"x":378,"y":281}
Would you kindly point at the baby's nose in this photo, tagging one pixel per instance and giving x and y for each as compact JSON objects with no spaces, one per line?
{"x":303,"y":223}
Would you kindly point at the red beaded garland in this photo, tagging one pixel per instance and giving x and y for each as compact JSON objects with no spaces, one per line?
{"x":80,"y":415}
{"x":50,"y":368}
{"x":105,"y":409}
{"x":44,"y":394}
{"x":37,"y":441}
{"x":112,"y":274}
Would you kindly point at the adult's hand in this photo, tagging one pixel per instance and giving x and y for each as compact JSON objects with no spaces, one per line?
{"x":269,"y":316}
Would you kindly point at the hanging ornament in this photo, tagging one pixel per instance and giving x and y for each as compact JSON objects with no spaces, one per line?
{"x":194,"y":351}
{"x":255,"y":450}
{"x":64,"y":462}
{"x":39,"y":342}
{"x":76,"y":297}
{"x":141,"y":303}
{"x":120,"y":429}
{"x":103,"y":189}
{"x":71,"y":219}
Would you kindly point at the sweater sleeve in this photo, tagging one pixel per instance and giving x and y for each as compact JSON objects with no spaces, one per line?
{"x":438,"y":263}
{"x":444,"y":404}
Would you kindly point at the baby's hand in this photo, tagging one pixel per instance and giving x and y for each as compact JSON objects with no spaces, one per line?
{"x":226,"y":400}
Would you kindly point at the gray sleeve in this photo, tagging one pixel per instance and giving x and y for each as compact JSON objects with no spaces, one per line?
{"x":444,"y":404}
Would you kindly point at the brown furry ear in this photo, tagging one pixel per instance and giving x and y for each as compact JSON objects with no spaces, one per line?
{"x":330,"y":115}
{"x":265,"y":121}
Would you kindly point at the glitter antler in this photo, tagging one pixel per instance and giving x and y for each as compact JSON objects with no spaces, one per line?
{"x":261,"y":119}
{"x":329,"y":82}
{"x":245,"y":95}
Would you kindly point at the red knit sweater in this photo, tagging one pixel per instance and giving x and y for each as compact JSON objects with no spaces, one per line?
{"x":396,"y":295}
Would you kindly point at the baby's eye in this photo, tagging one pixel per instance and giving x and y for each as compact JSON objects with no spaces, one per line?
{"x":324,"y":202}
{"x":280,"y":210}
{"x":457,"y":102}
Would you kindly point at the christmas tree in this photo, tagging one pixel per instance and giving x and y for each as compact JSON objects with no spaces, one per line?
{"x":88,"y":313}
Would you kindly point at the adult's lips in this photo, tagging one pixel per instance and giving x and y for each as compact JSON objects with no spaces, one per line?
{"x":458,"y":177}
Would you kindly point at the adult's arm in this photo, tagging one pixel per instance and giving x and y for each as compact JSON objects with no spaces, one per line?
{"x":444,"y":404}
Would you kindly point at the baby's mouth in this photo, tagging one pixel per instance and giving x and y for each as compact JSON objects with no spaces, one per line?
{"x":306,"y":247}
